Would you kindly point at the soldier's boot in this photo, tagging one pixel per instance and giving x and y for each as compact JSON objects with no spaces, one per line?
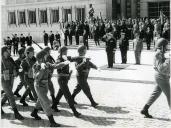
{"x":34,"y":114}
{"x":16,"y":93}
{"x":22,"y":100}
{"x":17,"y":114}
{"x":73,"y":96}
{"x":93,"y":103}
{"x":52,"y":122}
{"x":54,"y":107}
{"x":2,"y":92}
{"x":31,"y":97}
{"x":76,"y":113}
{"x":145,"y":112}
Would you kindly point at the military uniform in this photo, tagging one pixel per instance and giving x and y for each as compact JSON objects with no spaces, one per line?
{"x":41,"y":86}
{"x":15,"y":41}
{"x":63,"y":78}
{"x":50,"y":59}
{"x":162,"y":76}
{"x":8,"y":68}
{"x":27,"y":65}
{"x":138,"y":46}
{"x":83,"y":69}
{"x":110,"y":49}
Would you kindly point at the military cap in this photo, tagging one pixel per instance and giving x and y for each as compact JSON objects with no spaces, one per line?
{"x":21,"y":51}
{"x":81,"y":48}
{"x":161,"y":43}
{"x":29,"y":49}
{"x":3,"y":49}
{"x":46,"y":49}
{"x":40,"y":55}
{"x":62,"y":49}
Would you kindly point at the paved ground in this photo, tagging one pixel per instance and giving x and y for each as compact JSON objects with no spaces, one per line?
{"x":121,"y":93}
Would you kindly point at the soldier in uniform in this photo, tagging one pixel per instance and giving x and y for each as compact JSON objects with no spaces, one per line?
{"x":41,"y":86}
{"x":50,"y":59}
{"x":162,"y":76}
{"x":123,"y":45}
{"x":58,"y":38}
{"x":20,"y":72}
{"x":8,"y":70}
{"x":83,"y":66}
{"x":138,"y":46}
{"x":64,"y":76}
{"x":27,"y":65}
{"x":110,"y":48}
{"x":8,"y":43}
{"x":86,"y":32}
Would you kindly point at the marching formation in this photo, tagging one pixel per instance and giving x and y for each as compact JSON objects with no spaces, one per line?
{"x":35,"y":73}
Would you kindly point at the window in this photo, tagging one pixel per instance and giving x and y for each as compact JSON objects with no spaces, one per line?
{"x":154,"y":9}
{"x":55,"y":16}
{"x":32,"y":17}
{"x":43,"y":16}
{"x":80,"y":14}
{"x":67,"y":14}
{"x":12,"y":18}
{"x":22,"y":18}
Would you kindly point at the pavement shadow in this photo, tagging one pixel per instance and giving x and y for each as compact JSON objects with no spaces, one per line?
{"x":111,"y":110}
{"x":103,"y":121}
{"x":161,"y":119}
{"x":30,"y":122}
{"x":79,"y":106}
{"x":9,"y":116}
{"x":64,"y":113}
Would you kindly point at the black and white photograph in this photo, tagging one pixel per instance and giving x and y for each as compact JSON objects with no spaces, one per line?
{"x":85,"y":63}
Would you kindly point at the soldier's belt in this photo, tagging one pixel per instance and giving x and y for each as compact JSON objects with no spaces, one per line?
{"x":61,"y":74}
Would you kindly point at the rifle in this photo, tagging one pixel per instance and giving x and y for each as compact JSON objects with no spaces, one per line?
{"x":37,"y":44}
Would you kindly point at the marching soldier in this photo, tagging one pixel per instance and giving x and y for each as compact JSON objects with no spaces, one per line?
{"x":50,"y":59}
{"x":27,"y":65}
{"x":162,"y":76}
{"x":41,"y":86}
{"x":8,"y":70}
{"x":64,"y":76}
{"x":83,"y":66}
{"x":20,"y":72}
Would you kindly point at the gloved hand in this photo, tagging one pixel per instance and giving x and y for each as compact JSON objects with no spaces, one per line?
{"x":43,"y":65}
{"x":66,"y":62}
{"x":64,"y":57}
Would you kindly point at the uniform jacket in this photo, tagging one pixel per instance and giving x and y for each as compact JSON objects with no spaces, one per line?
{"x":138,"y":45}
{"x":123,"y":44}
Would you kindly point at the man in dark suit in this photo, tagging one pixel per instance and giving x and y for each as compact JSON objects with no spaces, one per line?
{"x":110,"y":46}
{"x":15,"y":41}
{"x":66,"y":33}
{"x":77,"y":34}
{"x":86,"y":31}
{"x":51,"y":39}
{"x":123,"y":45}
{"x":45,"y":36}
{"x":29,"y":40}
{"x":22,"y":41}
{"x":70,"y":35}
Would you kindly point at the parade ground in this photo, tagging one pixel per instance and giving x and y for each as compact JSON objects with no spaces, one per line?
{"x":121,"y":93}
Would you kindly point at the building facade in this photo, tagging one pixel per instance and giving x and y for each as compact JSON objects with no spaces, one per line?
{"x":35,"y":16}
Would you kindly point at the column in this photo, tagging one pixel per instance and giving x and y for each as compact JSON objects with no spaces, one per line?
{"x":73,"y":13}
{"x":17,"y":17}
{"x":133,"y":8}
{"x":26,"y":16}
{"x":48,"y":16}
{"x":123,"y":8}
{"x":37,"y":16}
